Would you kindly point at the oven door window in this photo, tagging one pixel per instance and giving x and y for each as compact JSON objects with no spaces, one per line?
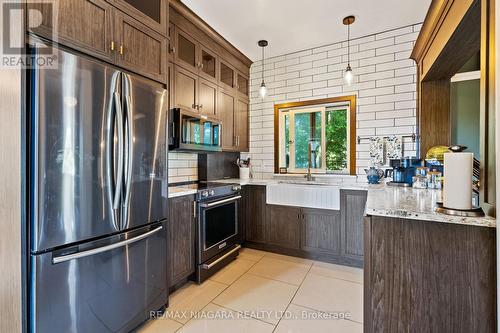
{"x":220,"y":224}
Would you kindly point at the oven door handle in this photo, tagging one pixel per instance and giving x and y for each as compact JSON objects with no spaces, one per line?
{"x":212,"y":264}
{"x":216,"y":203}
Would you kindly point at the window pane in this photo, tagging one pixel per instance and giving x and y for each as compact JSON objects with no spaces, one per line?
{"x":336,"y":140}
{"x":307,"y":128}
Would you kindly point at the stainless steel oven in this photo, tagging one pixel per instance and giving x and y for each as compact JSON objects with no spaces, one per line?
{"x":218,"y":230}
{"x":190,"y":131}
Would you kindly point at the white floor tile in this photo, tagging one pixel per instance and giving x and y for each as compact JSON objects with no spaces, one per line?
{"x":160,"y":325}
{"x":192,"y":298}
{"x":264,"y":298}
{"x":338,"y":271}
{"x":288,"y":258}
{"x":233,"y":271}
{"x":281,"y":270}
{"x":331,"y":295}
{"x":298,"y":319}
{"x":215,"y":319}
{"x":251,"y":254}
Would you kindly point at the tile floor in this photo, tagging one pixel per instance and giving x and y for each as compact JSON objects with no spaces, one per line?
{"x":267,"y":292}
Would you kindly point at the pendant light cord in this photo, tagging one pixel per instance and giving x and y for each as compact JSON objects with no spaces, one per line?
{"x":348,"y":45}
{"x":262,"y":63}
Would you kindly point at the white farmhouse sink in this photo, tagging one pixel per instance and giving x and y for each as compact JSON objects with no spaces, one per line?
{"x":307,"y":195}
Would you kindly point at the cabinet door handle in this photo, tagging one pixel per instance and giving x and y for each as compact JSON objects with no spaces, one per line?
{"x":122,"y":50}
{"x":200,"y":106}
{"x":172,"y":49}
{"x":194,"y":106}
{"x":201,"y":65}
{"x":112,"y":45}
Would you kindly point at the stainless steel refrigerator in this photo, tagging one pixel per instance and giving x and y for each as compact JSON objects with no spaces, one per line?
{"x":97,"y":197}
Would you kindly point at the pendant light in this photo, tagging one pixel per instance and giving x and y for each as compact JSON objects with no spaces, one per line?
{"x":263,"y":88}
{"x":348,"y":75}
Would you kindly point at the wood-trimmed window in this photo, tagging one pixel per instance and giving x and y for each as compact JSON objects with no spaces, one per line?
{"x":327,"y":125}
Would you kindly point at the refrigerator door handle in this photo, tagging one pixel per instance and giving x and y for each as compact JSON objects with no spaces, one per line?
{"x":120,"y":164}
{"x":77,"y":255}
{"x":129,"y":153}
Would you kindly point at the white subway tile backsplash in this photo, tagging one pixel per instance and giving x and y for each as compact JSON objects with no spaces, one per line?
{"x":384,"y":83}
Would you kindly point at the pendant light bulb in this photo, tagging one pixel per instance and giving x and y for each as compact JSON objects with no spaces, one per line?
{"x":263,"y":90}
{"x":348,"y":75}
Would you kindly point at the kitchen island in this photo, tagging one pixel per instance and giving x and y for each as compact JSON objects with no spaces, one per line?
{"x":424,"y":271}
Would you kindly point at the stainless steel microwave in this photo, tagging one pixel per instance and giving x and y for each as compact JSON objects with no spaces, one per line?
{"x":191,"y":131}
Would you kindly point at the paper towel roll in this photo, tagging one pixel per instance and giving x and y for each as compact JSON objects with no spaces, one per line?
{"x":457,"y":192}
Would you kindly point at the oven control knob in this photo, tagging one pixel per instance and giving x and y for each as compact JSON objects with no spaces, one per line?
{"x":204,"y":194}
{"x":212,"y":192}
{"x":236,"y":188}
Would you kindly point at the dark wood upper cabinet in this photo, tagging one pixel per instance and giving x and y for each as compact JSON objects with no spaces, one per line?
{"x":153,"y":13}
{"x":85,"y":25}
{"x":241,"y":124}
{"x":186,"y":51}
{"x":226,"y":115}
{"x":207,"y":98}
{"x":242,"y":84}
{"x":226,"y":74}
{"x":141,"y":48}
{"x":208,"y":64}
{"x":185,"y":89}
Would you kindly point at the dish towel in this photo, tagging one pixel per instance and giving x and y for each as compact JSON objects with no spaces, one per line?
{"x":376,"y":151}
{"x":393,"y":147}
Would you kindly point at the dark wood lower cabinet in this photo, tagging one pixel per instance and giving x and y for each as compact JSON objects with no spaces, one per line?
{"x":327,"y":235}
{"x":321,"y":231}
{"x":283,"y":226}
{"x":352,"y":208}
{"x":423,"y":276}
{"x":255,"y":212}
{"x":181,"y":239}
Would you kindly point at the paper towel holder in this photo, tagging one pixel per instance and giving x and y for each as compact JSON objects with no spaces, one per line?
{"x":474,"y":212}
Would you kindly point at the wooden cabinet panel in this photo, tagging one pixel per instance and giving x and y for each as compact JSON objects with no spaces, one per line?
{"x":208,"y":64}
{"x":186,"y":89}
{"x":226,"y":74}
{"x":241,"y":120}
{"x":207,"y":97}
{"x":352,"y":207}
{"x":242,"y":84}
{"x":171,"y":85}
{"x":423,"y":276}
{"x":153,"y":13}
{"x":283,"y":226}
{"x":226,"y":115}
{"x":85,"y":25}
{"x":256,"y":230}
{"x":321,"y":231}
{"x":186,"y":51}
{"x":141,"y":49}
{"x":181,"y":239}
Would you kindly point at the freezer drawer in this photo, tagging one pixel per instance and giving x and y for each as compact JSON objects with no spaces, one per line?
{"x":106,"y":286}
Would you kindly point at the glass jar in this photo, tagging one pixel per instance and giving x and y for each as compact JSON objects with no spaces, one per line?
{"x":434,"y":180}
{"x":419,"y":181}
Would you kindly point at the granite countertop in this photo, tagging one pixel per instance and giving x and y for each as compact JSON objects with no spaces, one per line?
{"x":179,"y":191}
{"x":389,"y":201}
